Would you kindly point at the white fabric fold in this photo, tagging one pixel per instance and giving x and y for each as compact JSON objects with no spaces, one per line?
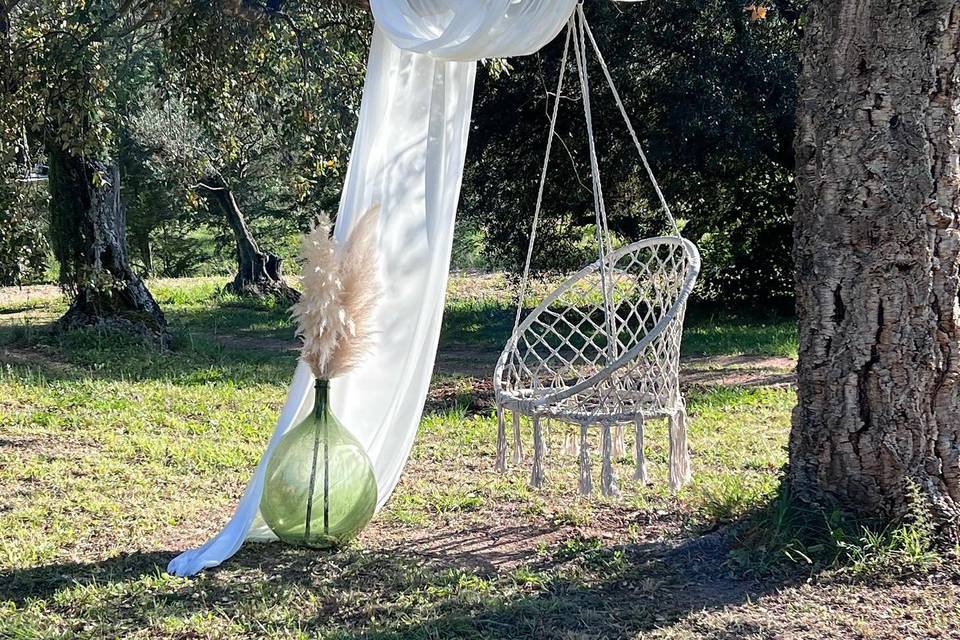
{"x":408,"y":156}
{"x":470,"y":30}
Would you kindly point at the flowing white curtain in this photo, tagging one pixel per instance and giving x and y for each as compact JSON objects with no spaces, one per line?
{"x":408,"y":156}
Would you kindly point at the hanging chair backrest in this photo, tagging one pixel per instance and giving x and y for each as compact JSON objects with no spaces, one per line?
{"x":561,"y":348}
{"x":606,"y":343}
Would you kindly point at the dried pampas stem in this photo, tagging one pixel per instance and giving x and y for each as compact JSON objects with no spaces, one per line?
{"x":341,"y":287}
{"x":359,"y":294}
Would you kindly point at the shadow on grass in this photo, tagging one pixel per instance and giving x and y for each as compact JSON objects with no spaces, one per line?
{"x":433,"y":586}
{"x":43,"y":582}
{"x":711,"y":331}
{"x":255,"y":343}
{"x":414,"y":592}
{"x":198,"y":355}
{"x":245,"y":346}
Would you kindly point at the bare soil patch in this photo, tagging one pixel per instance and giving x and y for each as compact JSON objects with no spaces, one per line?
{"x":493,"y":547}
{"x":257,"y":343}
{"x":472,"y":362}
{"x":48,"y":446}
{"x":30,"y":294}
{"x":738,"y":371}
{"x":463,"y":368}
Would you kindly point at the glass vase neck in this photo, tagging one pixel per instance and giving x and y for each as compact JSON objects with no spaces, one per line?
{"x":321,"y":402}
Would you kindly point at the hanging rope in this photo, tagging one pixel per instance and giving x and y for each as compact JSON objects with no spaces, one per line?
{"x":600,"y":209}
{"x":556,"y":367}
{"x":579,"y":34}
{"x":580,"y":48}
{"x":543,"y":173}
{"x":629,"y":123}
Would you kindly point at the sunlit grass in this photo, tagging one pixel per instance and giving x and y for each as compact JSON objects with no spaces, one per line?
{"x":113,"y":456}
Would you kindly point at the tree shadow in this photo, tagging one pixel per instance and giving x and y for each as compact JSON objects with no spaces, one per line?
{"x":42,"y":582}
{"x":430,"y":588}
{"x":249,"y":352}
{"x":247,"y":345}
{"x":250,"y":343}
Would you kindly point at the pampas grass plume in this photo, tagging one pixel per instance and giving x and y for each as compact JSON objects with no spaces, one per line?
{"x":336,"y":316}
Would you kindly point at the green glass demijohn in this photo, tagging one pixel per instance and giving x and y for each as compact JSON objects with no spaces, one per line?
{"x":320,"y":490}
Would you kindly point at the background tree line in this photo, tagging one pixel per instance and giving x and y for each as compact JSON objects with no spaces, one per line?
{"x":192,"y":137}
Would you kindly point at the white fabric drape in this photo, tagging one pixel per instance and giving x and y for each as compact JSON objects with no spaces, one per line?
{"x":408,"y":156}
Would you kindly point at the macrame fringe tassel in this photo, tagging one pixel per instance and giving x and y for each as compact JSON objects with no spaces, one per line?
{"x":571,"y":447}
{"x":536,"y":475}
{"x":640,"y":474}
{"x":608,"y":481}
{"x":517,"y":443}
{"x":687,"y":466}
{"x":679,"y":454}
{"x":586,"y":482}
{"x":619,"y":443}
{"x":501,"y":441}
{"x":546,"y":439}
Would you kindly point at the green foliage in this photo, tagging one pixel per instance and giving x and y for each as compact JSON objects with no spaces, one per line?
{"x":64,"y":73}
{"x":747,"y":244}
{"x":23,"y":228}
{"x":70,"y":187}
{"x":784,"y":533}
{"x":712,"y":97}
{"x":725,"y":499}
{"x":257,"y":98}
{"x":903,"y":548}
{"x":67,"y":77}
{"x":273,"y":95}
{"x":262,"y":98}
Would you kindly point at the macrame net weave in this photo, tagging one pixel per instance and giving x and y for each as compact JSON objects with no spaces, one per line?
{"x":603,"y":350}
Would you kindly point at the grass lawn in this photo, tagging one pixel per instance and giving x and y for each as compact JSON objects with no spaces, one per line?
{"x":114,"y":457}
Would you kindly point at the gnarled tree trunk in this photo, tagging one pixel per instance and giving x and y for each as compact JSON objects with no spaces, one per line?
{"x":88,"y":225}
{"x":259,"y":273}
{"x":877,"y":248}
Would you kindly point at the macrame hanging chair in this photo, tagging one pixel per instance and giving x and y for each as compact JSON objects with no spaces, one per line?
{"x":603,"y":350}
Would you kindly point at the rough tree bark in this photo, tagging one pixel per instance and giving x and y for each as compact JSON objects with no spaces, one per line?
{"x":259,"y":273}
{"x":88,"y":228}
{"x":877,"y":246}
